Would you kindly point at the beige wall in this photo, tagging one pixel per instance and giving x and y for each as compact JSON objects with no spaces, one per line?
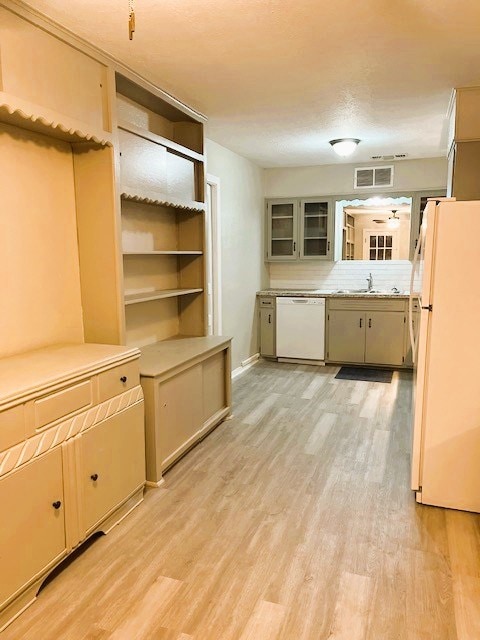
{"x":366,"y":221}
{"x":243,"y":269}
{"x":337,"y":179}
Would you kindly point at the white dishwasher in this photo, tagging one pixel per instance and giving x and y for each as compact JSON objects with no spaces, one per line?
{"x":301,"y":329}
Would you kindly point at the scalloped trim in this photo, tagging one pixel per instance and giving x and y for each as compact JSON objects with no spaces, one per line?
{"x":25,"y":451}
{"x":51,"y":124}
{"x":166,"y":203}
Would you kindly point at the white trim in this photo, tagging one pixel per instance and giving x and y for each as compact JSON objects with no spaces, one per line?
{"x":216,"y":231}
{"x":245,"y":365}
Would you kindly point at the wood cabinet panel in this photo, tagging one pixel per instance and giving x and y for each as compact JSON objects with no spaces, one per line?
{"x":12,"y":426}
{"x":346,"y":336}
{"x":267,"y":332}
{"x":40,"y":68}
{"x":59,"y":404}
{"x":213,"y":385}
{"x":35,"y":535}
{"x":112,"y":463}
{"x":117,"y":380}
{"x":180,"y":411}
{"x":143,"y":163}
{"x":385,"y":338}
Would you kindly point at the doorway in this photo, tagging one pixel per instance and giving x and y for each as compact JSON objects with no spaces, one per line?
{"x":213,"y":257}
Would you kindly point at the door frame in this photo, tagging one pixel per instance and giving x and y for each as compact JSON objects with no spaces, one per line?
{"x":370,"y":232}
{"x":213,"y":254}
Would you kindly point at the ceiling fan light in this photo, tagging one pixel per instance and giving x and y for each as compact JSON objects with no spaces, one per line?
{"x":344,"y":146}
{"x":394,"y":221}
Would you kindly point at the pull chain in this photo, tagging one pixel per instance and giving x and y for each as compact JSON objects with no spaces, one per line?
{"x":131,"y":19}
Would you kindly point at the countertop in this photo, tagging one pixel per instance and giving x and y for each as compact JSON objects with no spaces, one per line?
{"x":161,"y":357}
{"x":327,"y":293}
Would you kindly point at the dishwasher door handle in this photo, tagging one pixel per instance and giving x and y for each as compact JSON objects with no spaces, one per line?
{"x":300,"y":301}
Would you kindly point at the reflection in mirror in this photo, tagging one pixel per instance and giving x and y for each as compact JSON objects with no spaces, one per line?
{"x":373,"y":232}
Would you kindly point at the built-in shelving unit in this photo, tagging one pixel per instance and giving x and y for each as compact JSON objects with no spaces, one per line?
{"x":348,"y":236}
{"x":162,"y":210}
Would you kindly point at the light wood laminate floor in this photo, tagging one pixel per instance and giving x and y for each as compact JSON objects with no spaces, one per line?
{"x":292,"y":521}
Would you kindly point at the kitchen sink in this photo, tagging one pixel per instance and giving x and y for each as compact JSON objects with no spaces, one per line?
{"x":381,"y":291}
{"x":351,"y":291}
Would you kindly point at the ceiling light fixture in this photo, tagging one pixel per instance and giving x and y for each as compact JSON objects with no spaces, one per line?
{"x":344,"y":146}
{"x":394,"y":221}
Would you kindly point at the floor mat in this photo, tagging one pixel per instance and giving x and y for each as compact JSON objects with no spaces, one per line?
{"x":368,"y":375}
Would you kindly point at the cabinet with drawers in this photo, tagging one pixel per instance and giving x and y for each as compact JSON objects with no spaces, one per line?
{"x":72,"y":457}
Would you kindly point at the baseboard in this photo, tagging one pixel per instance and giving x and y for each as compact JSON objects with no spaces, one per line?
{"x":246,"y":364}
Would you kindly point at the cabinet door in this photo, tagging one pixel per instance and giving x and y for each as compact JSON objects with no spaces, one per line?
{"x":32,"y":533}
{"x":112,"y":463}
{"x":267,"y":331}
{"x":315,"y":229}
{"x":346,"y":336}
{"x":385,"y":337}
{"x":282,"y":229}
{"x":180,"y":413}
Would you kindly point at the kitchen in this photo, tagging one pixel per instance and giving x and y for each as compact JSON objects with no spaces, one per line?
{"x":172,"y":350}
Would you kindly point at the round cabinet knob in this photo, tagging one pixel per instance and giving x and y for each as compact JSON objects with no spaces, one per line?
{"x":123,"y":379}
{"x":94,"y":477}
{"x":57,"y":504}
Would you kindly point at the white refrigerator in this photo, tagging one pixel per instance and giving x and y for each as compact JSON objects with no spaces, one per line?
{"x":446,"y":428}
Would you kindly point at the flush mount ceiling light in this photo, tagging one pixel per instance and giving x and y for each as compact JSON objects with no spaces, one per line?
{"x":394,"y":221}
{"x":344,"y":146}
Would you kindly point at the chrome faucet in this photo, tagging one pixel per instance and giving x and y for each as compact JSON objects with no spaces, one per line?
{"x":370,"y":282}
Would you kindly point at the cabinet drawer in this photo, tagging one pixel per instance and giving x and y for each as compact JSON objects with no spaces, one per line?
{"x":267,"y":302}
{"x":367,"y":304}
{"x":62,"y":403}
{"x":117,"y":380}
{"x":12,"y":426}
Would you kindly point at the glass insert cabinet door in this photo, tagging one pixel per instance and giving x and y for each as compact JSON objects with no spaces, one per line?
{"x":315,"y":228}
{"x":282,"y":229}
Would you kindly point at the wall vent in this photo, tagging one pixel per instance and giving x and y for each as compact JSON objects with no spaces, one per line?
{"x":389,"y":158}
{"x":369,"y":177}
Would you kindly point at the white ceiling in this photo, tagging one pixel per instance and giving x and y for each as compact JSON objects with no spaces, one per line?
{"x":279,"y":78}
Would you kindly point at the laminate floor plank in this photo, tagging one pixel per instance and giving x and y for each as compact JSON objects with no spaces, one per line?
{"x":292,"y":521}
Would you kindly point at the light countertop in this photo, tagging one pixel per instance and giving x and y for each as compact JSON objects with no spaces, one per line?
{"x":328,"y":293}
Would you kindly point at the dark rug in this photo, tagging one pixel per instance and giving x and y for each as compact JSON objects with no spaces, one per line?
{"x":368,"y":375}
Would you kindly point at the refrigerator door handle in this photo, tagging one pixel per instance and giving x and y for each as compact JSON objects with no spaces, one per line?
{"x":411,"y":330}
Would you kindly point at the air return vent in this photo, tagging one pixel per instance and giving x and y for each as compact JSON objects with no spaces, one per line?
{"x":388,"y":158}
{"x":373,"y":177}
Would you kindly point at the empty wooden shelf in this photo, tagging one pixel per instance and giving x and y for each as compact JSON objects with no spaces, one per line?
{"x":134,"y":298}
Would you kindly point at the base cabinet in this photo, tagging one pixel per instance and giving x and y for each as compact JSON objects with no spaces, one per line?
{"x":346,"y":336}
{"x":187,"y":389}
{"x":267,"y":327}
{"x":113,"y":464}
{"x":32,"y":533}
{"x":364,"y":331}
{"x":384,"y":337}
{"x":72,"y":458}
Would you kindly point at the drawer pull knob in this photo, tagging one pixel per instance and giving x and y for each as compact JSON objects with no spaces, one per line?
{"x":123,"y":379}
{"x":94,"y":477}
{"x":57,"y":504}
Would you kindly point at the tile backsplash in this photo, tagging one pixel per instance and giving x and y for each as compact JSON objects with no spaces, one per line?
{"x":340,"y":275}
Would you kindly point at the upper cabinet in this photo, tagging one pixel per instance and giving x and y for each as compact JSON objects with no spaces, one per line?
{"x":282,"y":229}
{"x":299,"y":229}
